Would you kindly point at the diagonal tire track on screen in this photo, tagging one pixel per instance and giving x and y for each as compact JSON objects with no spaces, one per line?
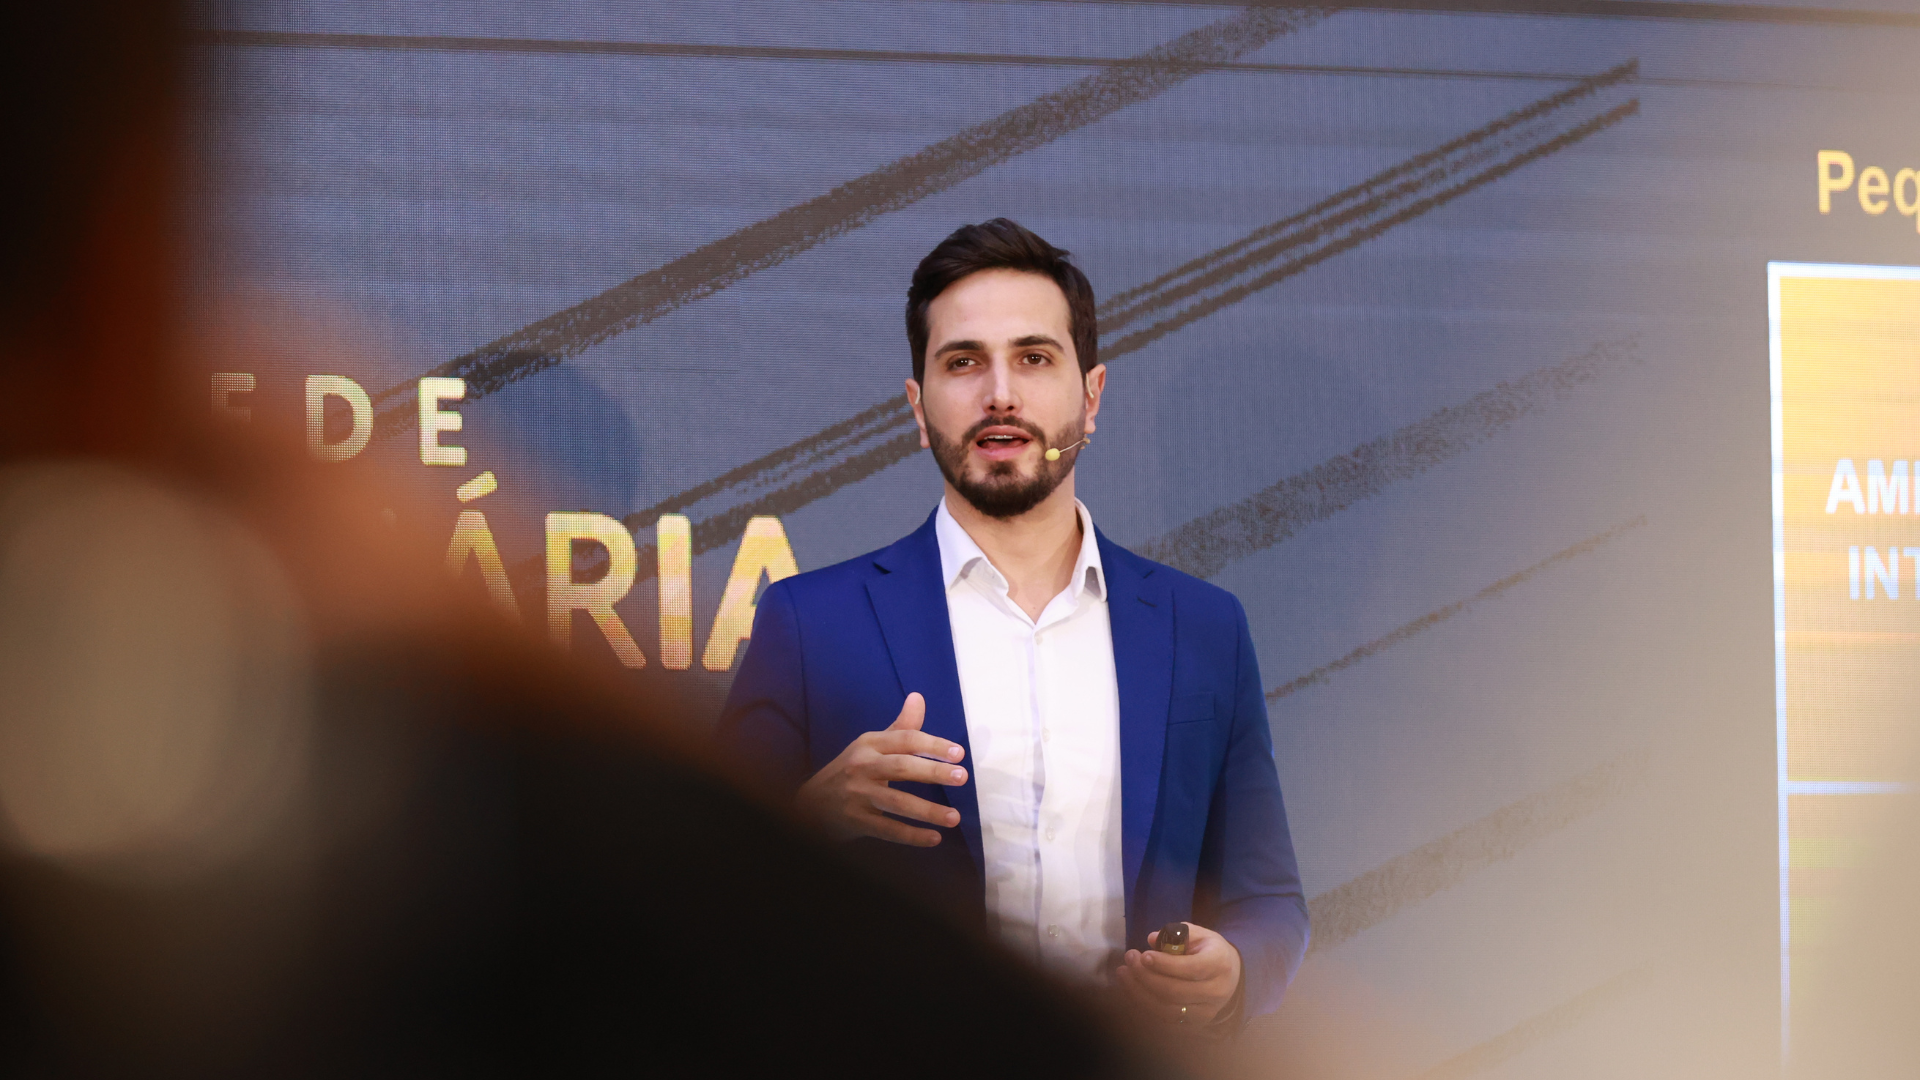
{"x":853,"y":449}
{"x":1291,"y":245}
{"x":1439,"y":615}
{"x":1346,"y":910}
{"x":1205,"y":545}
{"x":771,"y":241}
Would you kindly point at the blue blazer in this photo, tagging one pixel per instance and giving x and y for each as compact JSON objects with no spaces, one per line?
{"x":1203,"y":832}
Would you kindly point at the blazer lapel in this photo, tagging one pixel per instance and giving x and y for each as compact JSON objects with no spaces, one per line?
{"x":1140,"y":610}
{"x":910,"y":600}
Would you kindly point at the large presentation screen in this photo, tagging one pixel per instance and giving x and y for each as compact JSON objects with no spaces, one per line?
{"x":1845,"y":344}
{"x":1436,"y":334}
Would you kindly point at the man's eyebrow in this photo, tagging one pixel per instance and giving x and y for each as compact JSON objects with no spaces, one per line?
{"x":959,"y":346}
{"x":1035,"y":339}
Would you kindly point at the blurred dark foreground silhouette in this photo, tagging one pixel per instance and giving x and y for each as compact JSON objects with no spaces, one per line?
{"x":276,"y":800}
{"x":401,"y":848}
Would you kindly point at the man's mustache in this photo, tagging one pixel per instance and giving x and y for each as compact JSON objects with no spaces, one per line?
{"x":1027,"y":426}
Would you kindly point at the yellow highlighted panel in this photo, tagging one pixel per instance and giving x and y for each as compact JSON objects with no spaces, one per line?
{"x":1846,"y":515}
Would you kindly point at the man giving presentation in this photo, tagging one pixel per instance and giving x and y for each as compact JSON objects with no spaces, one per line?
{"x":1018,"y":717}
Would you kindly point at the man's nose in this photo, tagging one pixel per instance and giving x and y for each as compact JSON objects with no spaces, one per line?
{"x":1001,"y":397}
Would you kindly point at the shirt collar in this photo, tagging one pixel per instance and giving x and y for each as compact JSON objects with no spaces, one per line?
{"x":958,"y":553}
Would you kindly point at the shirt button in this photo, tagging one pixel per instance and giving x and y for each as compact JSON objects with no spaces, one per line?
{"x":1049,"y":834}
{"x":1053,"y":930}
{"x":1045,"y":734}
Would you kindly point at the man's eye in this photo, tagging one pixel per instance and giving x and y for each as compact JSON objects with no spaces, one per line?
{"x":1036,"y":358}
{"x":959,"y":361}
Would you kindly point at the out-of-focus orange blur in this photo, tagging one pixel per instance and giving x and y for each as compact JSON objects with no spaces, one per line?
{"x":276,"y":798}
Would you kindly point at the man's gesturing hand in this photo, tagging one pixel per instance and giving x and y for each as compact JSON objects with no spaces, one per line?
{"x":1203,"y":979}
{"x":846,"y":798}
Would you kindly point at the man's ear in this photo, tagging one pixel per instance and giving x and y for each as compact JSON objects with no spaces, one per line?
{"x":919,"y":411}
{"x":1096,"y":384}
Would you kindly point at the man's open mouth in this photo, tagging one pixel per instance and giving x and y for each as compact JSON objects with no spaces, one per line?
{"x":1002,"y":442}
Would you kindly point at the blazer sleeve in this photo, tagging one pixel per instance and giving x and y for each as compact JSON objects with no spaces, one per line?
{"x":763,"y":727}
{"x":1258,"y":904}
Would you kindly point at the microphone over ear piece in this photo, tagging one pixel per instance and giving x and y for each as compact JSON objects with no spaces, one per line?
{"x":1054,"y":452}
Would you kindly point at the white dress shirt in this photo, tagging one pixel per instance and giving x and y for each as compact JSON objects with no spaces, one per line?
{"x":1043,"y":718}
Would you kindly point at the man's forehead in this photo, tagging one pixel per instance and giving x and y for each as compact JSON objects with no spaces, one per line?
{"x":1008,"y":300}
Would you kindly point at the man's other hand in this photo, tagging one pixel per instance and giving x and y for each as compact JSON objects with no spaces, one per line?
{"x":1203,"y":978}
{"x":847,"y":797}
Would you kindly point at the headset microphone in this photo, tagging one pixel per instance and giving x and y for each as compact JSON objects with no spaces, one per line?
{"x":1054,"y":452}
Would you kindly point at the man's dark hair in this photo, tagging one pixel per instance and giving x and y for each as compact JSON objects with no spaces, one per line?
{"x":999,"y":244}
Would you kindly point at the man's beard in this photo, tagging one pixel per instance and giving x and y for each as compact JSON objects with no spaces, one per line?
{"x":1003,"y":493}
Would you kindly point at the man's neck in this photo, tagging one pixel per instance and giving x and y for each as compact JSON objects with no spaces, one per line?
{"x":1035,"y":552}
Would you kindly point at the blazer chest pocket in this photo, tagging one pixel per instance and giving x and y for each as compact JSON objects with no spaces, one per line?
{"x":1196,"y":748}
{"x":1191,"y":709}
